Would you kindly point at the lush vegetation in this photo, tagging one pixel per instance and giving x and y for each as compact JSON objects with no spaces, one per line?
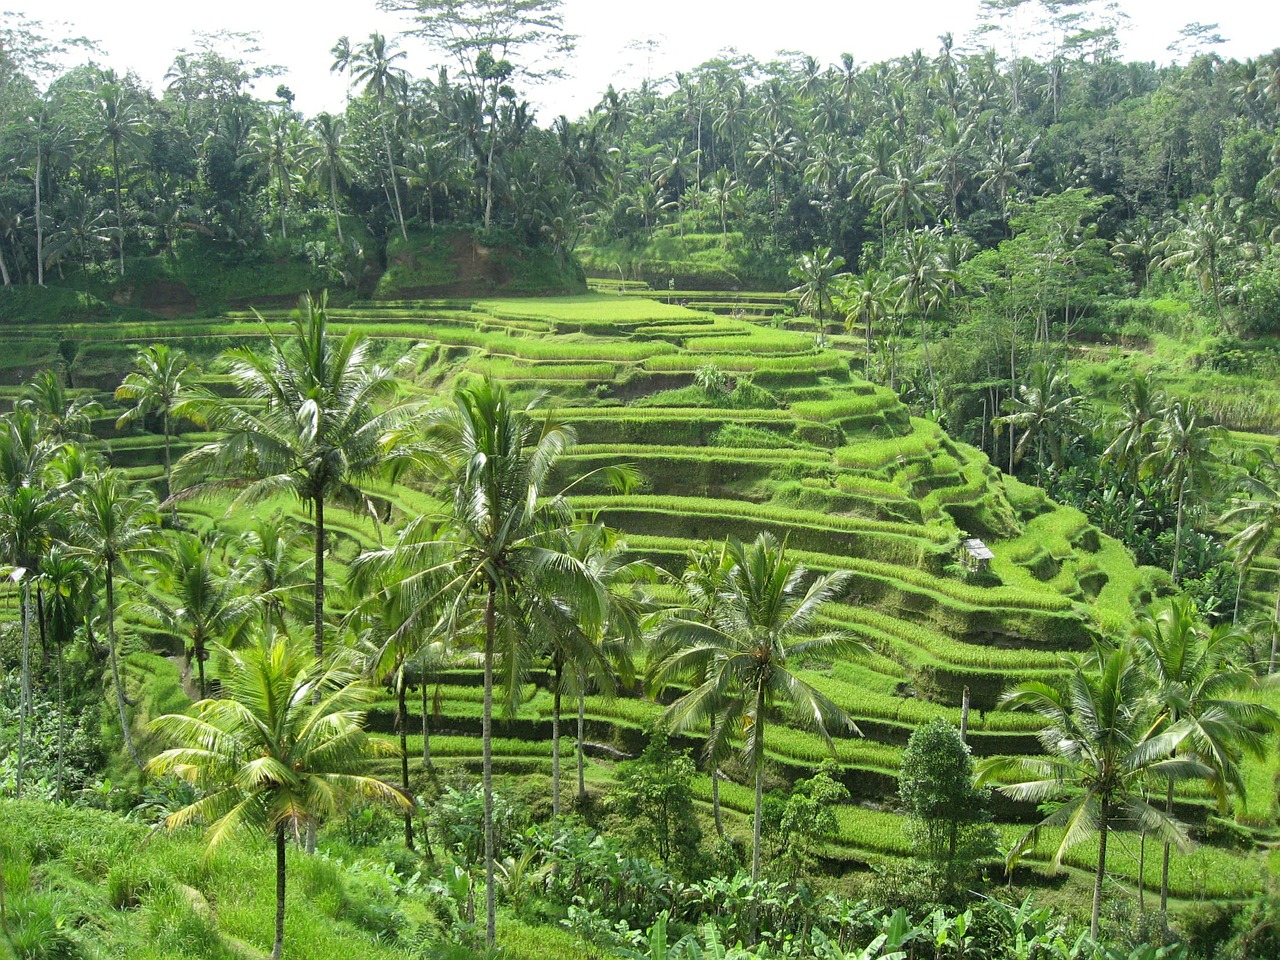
{"x":669,"y":619}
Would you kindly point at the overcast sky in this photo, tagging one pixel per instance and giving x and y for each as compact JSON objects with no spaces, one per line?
{"x":143,"y":35}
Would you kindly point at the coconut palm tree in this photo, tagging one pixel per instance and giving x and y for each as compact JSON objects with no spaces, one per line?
{"x":1259,"y":510}
{"x":328,"y":160}
{"x":1101,"y":749}
{"x":1140,"y":404}
{"x":312,"y":417}
{"x":269,"y":562}
{"x":1046,"y":410}
{"x":196,"y":598}
{"x":283,"y":749}
{"x":62,"y":419}
{"x":1193,"y":681}
{"x":1182,"y":454}
{"x":160,"y":378}
{"x":766,"y":624}
{"x":121,"y":128}
{"x":114,"y":526}
{"x":62,"y":599}
{"x":864,"y":298}
{"x":503,"y":540}
{"x":819,"y":273}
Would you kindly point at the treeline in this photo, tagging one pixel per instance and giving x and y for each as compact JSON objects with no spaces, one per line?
{"x":791,"y":153}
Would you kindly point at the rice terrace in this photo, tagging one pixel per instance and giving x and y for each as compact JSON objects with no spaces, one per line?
{"x":793,"y":510}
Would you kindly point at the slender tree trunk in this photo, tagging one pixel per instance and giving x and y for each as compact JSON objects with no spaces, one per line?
{"x":318,"y":615}
{"x":1275,"y":636}
{"x":115,"y":665}
{"x":1103,"y":829}
{"x":582,"y":726}
{"x":4,"y":269}
{"x":277,"y":950}
{"x":402,"y":725}
{"x":62,"y":726}
{"x":1164,"y":853}
{"x":24,"y":710}
{"x":426,"y":730}
{"x":333,"y":196}
{"x":39,"y":218}
{"x":1142,"y":871}
{"x":395,"y":186}
{"x":488,"y":163}
{"x":964,"y":715}
{"x":168,"y":473}
{"x":1177,"y":534}
{"x":486,"y":740}
{"x":199,"y":651}
{"x":555,"y":737}
{"x":115,"y":167}
{"x":758,"y":819}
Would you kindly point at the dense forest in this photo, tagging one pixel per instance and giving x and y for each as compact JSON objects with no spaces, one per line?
{"x":792,"y":510}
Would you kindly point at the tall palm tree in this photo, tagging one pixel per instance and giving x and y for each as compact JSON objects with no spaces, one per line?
{"x":312,"y":417}
{"x":121,"y":129}
{"x":1046,"y":410}
{"x":819,"y":273}
{"x":197,"y":599}
{"x":1182,"y":453}
{"x":1140,"y":405}
{"x":61,"y":418}
{"x":62,"y":600}
{"x":503,"y":538}
{"x":283,"y":749}
{"x":328,"y":159}
{"x":1100,"y":751}
{"x":1193,"y":680}
{"x":374,"y":64}
{"x":160,"y":378}
{"x":766,"y":624}
{"x":269,"y":561}
{"x":1259,"y":510}
{"x":113,"y":527}
{"x":864,"y":298}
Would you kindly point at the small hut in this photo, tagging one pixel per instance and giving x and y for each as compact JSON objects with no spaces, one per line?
{"x":977,"y":556}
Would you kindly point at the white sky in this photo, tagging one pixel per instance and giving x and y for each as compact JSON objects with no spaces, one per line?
{"x":143,"y":35}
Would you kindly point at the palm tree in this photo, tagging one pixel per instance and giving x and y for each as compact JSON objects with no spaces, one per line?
{"x":28,"y":517}
{"x":61,"y":419}
{"x":765,"y":623}
{"x":284,"y":749}
{"x":1046,"y":411}
{"x":374,"y":64}
{"x":328,"y":159}
{"x":114,"y":526}
{"x":268,"y":562}
{"x":1192,"y":681}
{"x":1201,"y":243}
{"x":864,"y":298}
{"x":1140,"y":403}
{"x":61,"y":597}
{"x":503,"y":536}
{"x":202,"y":602}
{"x":1182,"y":453}
{"x":160,"y":378}
{"x":819,"y":273}
{"x":1259,"y":510}
{"x":312,"y":418}
{"x":121,"y":128}
{"x":1101,"y":749}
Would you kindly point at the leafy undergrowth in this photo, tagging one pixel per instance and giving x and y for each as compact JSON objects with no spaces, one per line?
{"x":83,"y":883}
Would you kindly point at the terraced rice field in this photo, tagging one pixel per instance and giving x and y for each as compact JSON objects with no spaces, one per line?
{"x":814,"y":454}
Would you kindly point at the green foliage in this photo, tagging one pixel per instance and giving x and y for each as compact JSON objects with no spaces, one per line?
{"x":653,"y":796}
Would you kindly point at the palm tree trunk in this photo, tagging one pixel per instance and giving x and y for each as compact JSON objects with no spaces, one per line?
{"x":395,"y":187}
{"x":426,"y":731}
{"x":758,"y":819}
{"x":486,"y":740}
{"x":1177,"y":535}
{"x":1164,"y":864}
{"x":1101,"y":872}
{"x":62,"y":735}
{"x":318,"y":615}
{"x":1142,"y":871}
{"x":115,"y":167}
{"x":555,"y":738}
{"x":168,"y":476}
{"x":199,"y":651}
{"x":24,"y":711}
{"x":39,"y":219}
{"x":333,"y":196}
{"x":1275,"y":636}
{"x":115,"y":665}
{"x":402,"y":725}
{"x":582,"y":724}
{"x":278,"y":948}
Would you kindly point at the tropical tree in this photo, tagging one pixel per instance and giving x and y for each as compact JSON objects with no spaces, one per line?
{"x":160,"y":378}
{"x":1182,"y":455}
{"x":1259,"y":510}
{"x":283,"y":749}
{"x":1139,"y":415}
{"x":113,"y":527}
{"x":766,"y":624}
{"x":196,"y":598}
{"x":865,"y":299}
{"x":121,"y":128}
{"x":819,"y":273}
{"x":270,"y":564}
{"x":1101,"y":750}
{"x":63,"y":599}
{"x":499,"y":544}
{"x":1046,"y":410}
{"x":1194,"y":681}
{"x":311,"y":417}
{"x":327,"y":159}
